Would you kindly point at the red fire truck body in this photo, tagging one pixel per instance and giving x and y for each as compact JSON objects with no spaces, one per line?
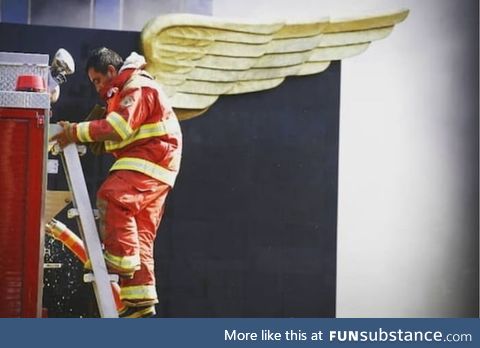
{"x":23,"y":138}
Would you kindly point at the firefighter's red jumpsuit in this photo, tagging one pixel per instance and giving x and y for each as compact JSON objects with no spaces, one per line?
{"x":131,"y":200}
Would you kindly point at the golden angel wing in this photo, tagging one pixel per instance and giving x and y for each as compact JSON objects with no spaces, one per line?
{"x":198,"y":58}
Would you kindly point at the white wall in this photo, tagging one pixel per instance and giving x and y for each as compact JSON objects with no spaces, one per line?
{"x":408,"y":185}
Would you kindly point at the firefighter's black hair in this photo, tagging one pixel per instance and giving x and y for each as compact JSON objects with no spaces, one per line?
{"x":100,"y":58}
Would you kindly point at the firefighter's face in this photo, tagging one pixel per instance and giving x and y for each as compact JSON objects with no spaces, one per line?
{"x":99,"y":79}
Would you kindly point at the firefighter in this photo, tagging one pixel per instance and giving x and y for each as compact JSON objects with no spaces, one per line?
{"x":141,"y":130}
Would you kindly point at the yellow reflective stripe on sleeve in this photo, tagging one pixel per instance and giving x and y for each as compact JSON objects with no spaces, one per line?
{"x":150,"y":130}
{"x":145,"y":131}
{"x":146,"y":167}
{"x":138,"y":292}
{"x":113,"y":145}
{"x":83,"y":133}
{"x":127,"y":263}
{"x":119,"y":124}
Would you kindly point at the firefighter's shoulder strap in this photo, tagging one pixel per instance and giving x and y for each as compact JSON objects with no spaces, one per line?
{"x":144,"y":79}
{"x":141,"y":79}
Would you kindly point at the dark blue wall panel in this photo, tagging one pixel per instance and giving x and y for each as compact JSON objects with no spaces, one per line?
{"x":251,"y":227}
{"x":14,"y":11}
{"x":71,"y":13}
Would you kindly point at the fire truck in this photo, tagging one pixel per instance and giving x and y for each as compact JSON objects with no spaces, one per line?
{"x":24,"y":111}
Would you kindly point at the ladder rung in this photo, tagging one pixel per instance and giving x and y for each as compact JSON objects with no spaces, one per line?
{"x":73,"y":213}
{"x":90,"y":277}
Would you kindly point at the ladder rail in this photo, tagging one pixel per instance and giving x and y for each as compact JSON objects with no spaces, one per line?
{"x":88,"y":229}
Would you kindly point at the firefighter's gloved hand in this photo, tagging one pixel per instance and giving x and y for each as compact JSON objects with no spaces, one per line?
{"x":67,"y":136}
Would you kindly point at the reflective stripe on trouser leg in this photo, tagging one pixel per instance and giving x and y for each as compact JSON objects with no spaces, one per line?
{"x":118,"y":228}
{"x":139,"y":295}
{"x":148,"y":221}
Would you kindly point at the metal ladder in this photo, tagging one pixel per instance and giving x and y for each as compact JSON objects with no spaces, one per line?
{"x":81,"y":201}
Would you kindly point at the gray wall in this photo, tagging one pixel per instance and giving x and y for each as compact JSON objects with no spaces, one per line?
{"x":137,"y":13}
{"x":99,"y":14}
{"x":408,"y":185}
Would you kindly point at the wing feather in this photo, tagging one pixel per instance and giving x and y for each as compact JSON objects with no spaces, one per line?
{"x":199,"y":58}
{"x":354,"y":37}
{"x":322,"y":54}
